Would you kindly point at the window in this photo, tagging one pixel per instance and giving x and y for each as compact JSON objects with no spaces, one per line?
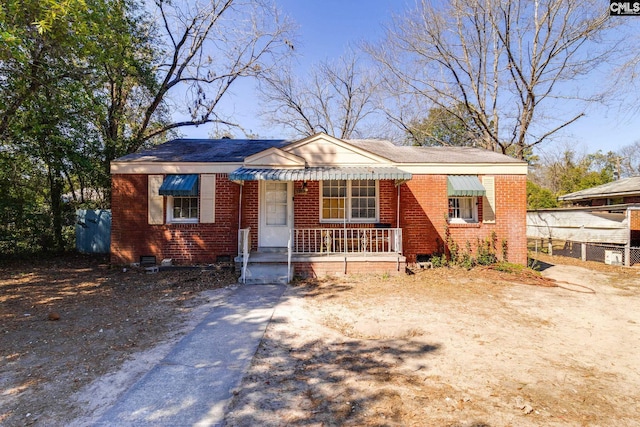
{"x":276,"y":203}
{"x":363,"y":199}
{"x":183,"y":209}
{"x":189,"y":198}
{"x":352,"y":201}
{"x":334,"y":194}
{"x":463,"y":209}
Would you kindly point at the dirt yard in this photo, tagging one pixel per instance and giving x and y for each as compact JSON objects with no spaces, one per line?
{"x":444,"y":347}
{"x":451,"y":348}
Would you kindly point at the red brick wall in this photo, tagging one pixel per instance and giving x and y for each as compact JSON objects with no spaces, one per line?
{"x":634,"y":220}
{"x":306,"y":207}
{"x":132,"y":236}
{"x":250,"y":210}
{"x":634,"y":227}
{"x":424,"y":206}
{"x":511,"y":215}
{"x":339,"y":268}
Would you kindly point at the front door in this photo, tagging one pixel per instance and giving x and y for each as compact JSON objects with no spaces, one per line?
{"x":276,"y":214}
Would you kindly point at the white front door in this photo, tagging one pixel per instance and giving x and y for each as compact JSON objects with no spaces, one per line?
{"x":276,"y":213}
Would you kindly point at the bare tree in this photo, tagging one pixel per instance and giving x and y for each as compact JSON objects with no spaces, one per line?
{"x":517,"y":67}
{"x":198,"y":50}
{"x":629,"y":160}
{"x":337,"y":98}
{"x":189,"y":56}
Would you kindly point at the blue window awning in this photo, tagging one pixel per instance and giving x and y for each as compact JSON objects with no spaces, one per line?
{"x":179,"y":186}
{"x":319,"y":174}
{"x":464,"y":186}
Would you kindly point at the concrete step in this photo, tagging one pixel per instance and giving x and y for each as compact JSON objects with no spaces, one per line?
{"x":266,"y":273}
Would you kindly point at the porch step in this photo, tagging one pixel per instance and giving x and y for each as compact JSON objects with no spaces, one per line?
{"x":266,"y":273}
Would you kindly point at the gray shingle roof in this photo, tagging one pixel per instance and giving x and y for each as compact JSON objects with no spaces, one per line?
{"x":627,"y":186}
{"x":413,"y":154}
{"x":204,"y":150}
{"x":235,"y":150}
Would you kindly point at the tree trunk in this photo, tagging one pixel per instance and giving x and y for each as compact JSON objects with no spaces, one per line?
{"x":55,"y":190}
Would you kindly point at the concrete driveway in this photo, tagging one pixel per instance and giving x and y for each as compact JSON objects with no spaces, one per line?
{"x":194,"y":383}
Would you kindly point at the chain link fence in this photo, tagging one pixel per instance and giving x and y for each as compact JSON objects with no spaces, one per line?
{"x":634,"y":256}
{"x":600,"y":252}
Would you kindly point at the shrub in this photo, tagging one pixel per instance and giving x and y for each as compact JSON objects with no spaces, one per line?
{"x":505,"y":250}
{"x":509,"y":267}
{"x":466,"y":260}
{"x":487,"y":250}
{"x":439,"y":261}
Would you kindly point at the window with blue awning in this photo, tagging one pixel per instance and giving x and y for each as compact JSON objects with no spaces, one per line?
{"x":179,"y":186}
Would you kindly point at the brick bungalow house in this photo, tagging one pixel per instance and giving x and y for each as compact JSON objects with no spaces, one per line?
{"x":316,"y":206}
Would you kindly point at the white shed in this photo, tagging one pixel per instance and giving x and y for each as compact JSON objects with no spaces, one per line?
{"x":607,"y":234}
{"x":579,"y":225}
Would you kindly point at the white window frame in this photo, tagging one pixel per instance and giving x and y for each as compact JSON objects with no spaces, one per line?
{"x":348,"y":207}
{"x":170,"y":217}
{"x":473,"y":208}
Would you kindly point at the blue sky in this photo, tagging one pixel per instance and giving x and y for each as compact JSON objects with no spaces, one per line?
{"x":327,"y":27}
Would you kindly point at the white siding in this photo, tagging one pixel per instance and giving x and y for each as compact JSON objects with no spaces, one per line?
{"x":322,"y":153}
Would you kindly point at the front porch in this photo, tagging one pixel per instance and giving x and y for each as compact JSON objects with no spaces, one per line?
{"x":317,"y":252}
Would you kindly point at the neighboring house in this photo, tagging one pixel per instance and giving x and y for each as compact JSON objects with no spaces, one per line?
{"x":619,"y":192}
{"x":321,"y":205}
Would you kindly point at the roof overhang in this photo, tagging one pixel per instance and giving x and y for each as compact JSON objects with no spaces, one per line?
{"x":319,"y":174}
{"x":576,"y":197}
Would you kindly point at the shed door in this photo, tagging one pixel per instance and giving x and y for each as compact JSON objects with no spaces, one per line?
{"x":276,"y":213}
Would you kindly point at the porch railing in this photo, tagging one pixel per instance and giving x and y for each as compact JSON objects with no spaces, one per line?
{"x":289,"y":253}
{"x":244,"y":244}
{"x":347,"y":240}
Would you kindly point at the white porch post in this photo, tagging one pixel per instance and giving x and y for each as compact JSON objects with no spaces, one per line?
{"x":398,"y":209}
{"x":240,"y":206}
